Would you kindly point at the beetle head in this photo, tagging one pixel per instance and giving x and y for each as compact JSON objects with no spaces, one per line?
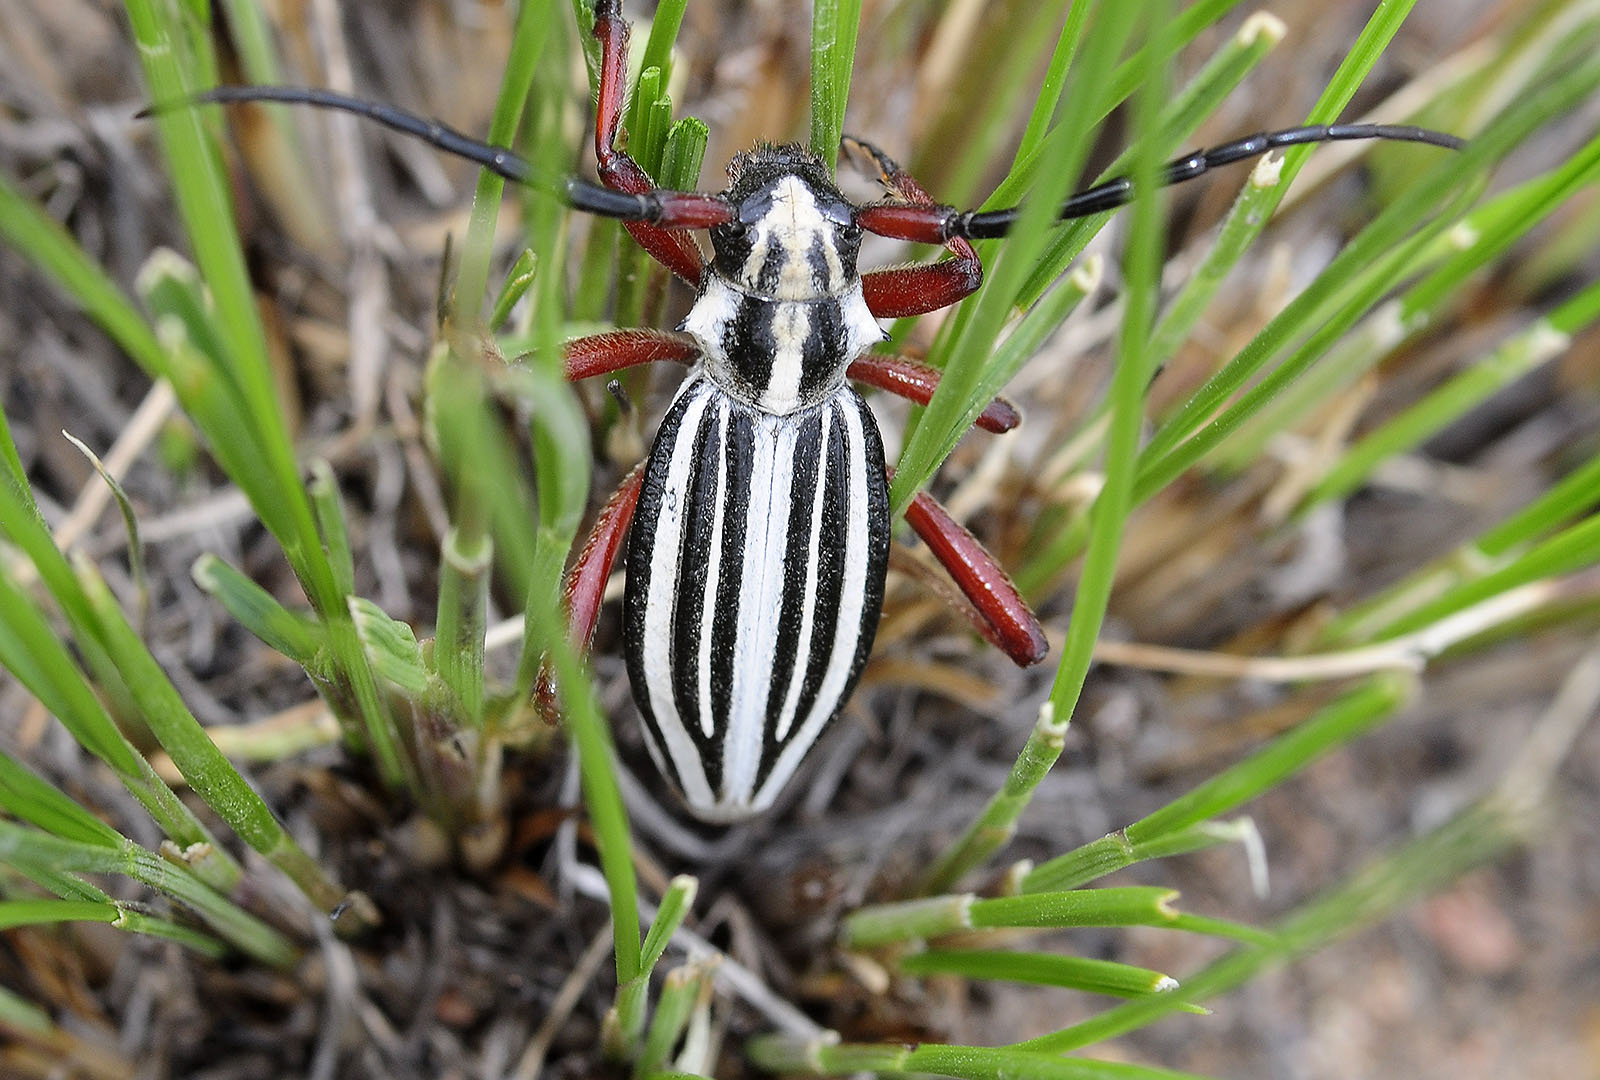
{"x":794,"y":236}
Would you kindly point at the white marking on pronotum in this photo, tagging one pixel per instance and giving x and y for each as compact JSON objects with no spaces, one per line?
{"x":791,"y":326}
{"x":659,"y":604}
{"x":707,"y":321}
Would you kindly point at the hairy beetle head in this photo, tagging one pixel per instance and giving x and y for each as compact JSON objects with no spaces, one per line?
{"x":794,"y":236}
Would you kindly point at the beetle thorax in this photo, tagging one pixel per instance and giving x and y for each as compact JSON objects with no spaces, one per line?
{"x":781,"y":315}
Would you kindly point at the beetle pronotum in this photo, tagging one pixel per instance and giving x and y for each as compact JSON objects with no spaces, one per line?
{"x":760,"y":520}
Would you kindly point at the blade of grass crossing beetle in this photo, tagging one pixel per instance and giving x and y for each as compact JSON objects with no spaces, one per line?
{"x":835,"y":25}
{"x":534,"y":20}
{"x":979,"y":322}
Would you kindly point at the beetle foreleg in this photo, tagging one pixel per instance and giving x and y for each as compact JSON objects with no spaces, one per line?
{"x":585,"y":587}
{"x":998,"y":610}
{"x":675,"y":250}
{"x":913,"y":290}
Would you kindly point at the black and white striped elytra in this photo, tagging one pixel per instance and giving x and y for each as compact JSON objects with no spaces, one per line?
{"x":757,"y":552}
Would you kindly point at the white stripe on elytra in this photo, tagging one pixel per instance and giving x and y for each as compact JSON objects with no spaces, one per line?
{"x":759,"y":606}
{"x":808,"y":600}
{"x":708,"y":606}
{"x":659,"y":604}
{"x":852,"y":597}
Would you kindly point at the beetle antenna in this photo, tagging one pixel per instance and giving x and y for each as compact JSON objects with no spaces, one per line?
{"x":939,"y":224}
{"x":660,"y":207}
{"x":1117,"y":192}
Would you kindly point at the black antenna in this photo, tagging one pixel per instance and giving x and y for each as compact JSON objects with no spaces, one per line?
{"x":654,"y":208}
{"x":679,"y":209}
{"x":983,"y":225}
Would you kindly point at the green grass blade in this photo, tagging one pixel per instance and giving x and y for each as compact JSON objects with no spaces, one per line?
{"x":15,"y":913}
{"x":994,"y":827}
{"x":664,"y":26}
{"x":463,"y":622}
{"x":24,"y":795}
{"x":834,"y":27}
{"x":1122,"y":906}
{"x":1568,"y":498}
{"x":970,"y":341}
{"x":1044,"y":969}
{"x":1055,"y":80}
{"x":22,"y":1015}
{"x":1141,"y":275}
{"x":1346,"y":718}
{"x":1115,"y":851}
{"x":1564,"y":501}
{"x":1547,"y":339}
{"x":1405,"y":874}
{"x":203,"y":202}
{"x":683,"y":990}
{"x":632,"y":997}
{"x":1461,"y":254}
{"x":203,"y":766}
{"x":534,"y":21}
{"x":53,"y":250}
{"x":937,"y":916}
{"x":32,"y":651}
{"x":780,"y":1054}
{"x":518,"y":280}
{"x":1570,"y":550}
{"x":1313,"y":309}
{"x":1189,"y":107}
{"x":244,"y":931}
{"x":675,"y":905}
{"x":258,"y":611}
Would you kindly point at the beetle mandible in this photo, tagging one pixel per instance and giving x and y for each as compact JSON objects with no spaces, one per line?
{"x":758,"y":527}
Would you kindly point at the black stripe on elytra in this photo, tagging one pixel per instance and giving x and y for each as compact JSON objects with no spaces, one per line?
{"x":739,"y":442}
{"x":877,"y":536}
{"x":796,"y":561}
{"x":877,"y":561}
{"x":830,"y":561}
{"x":653,"y":500}
{"x":699,"y":519}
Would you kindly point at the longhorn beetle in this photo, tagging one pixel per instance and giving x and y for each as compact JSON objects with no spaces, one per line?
{"x":760,"y":520}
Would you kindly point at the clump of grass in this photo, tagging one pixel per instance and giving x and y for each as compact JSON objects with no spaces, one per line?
{"x":435,"y":715}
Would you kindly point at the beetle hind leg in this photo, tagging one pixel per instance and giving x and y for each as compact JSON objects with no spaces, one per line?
{"x":997,"y":609}
{"x":585,"y":585}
